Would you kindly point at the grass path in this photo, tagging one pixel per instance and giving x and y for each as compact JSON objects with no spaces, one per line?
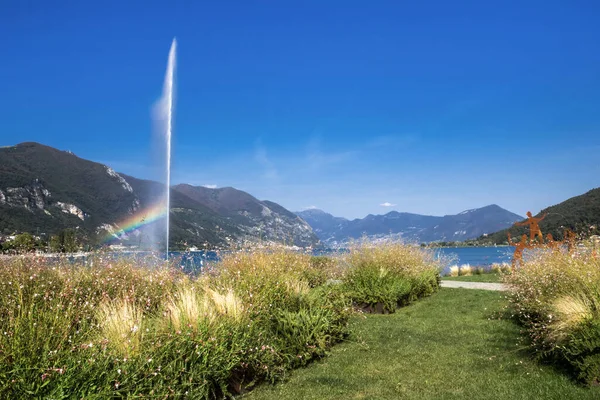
{"x":449,"y":346}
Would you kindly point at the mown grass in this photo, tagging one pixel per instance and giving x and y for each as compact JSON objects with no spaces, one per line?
{"x":453,"y":345}
{"x":491,"y":278}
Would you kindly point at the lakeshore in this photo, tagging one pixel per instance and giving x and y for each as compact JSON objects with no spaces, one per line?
{"x":474,"y":256}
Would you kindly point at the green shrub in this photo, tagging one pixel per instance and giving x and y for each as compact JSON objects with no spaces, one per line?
{"x":303,"y":334}
{"x":123,"y":329}
{"x":284,"y":292}
{"x":556,"y":296}
{"x":322,"y":268}
{"x":389,"y":275}
{"x":424,"y":284}
{"x":128,"y":329}
{"x":582,"y":350}
{"x":369,"y":286}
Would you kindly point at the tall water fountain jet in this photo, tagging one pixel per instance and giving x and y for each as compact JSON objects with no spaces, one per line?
{"x":164,"y":116}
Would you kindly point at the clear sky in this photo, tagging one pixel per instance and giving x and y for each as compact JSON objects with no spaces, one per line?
{"x":354,"y":107}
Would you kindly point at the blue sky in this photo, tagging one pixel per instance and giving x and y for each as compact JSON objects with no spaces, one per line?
{"x":430,"y":107}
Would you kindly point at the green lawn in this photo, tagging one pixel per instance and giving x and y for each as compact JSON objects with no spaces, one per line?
{"x":475,"y":278}
{"x":449,"y":346}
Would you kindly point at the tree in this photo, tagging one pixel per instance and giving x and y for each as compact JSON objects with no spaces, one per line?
{"x":55,"y":244}
{"x":65,"y":242}
{"x":24,"y":243}
{"x":69,"y":241}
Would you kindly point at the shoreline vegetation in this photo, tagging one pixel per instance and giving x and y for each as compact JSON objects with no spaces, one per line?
{"x":118,"y":328}
{"x":450,"y":245}
{"x":555,"y":297}
{"x":127,"y":328}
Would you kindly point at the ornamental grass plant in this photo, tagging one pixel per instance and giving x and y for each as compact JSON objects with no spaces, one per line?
{"x":106,"y":327}
{"x":389,"y":275}
{"x":123,"y":328}
{"x":556,"y":296}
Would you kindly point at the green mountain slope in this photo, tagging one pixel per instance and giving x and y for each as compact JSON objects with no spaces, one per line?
{"x":255,"y":218}
{"x":44,"y":191}
{"x":580,"y":214}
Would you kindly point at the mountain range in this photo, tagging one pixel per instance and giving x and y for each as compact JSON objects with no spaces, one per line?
{"x":468,"y":224}
{"x":45,"y":190}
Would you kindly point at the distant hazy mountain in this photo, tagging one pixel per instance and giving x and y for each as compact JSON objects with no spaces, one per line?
{"x":411,"y":227}
{"x":326,"y":226}
{"x":470,"y":224}
{"x":45,"y":190}
{"x":580,"y":214}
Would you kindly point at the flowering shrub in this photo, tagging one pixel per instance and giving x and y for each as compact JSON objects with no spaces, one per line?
{"x":556,"y":296}
{"x":129,"y":328}
{"x":122,"y":328}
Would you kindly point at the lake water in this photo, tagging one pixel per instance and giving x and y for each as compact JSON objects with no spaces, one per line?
{"x":477,"y":256}
{"x":192,"y":262}
{"x":474,"y":256}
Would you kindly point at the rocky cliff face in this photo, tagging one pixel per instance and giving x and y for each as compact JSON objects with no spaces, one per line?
{"x":32,"y":196}
{"x":35,"y":197}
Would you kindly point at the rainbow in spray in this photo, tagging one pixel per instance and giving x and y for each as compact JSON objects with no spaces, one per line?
{"x":141,"y":218}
